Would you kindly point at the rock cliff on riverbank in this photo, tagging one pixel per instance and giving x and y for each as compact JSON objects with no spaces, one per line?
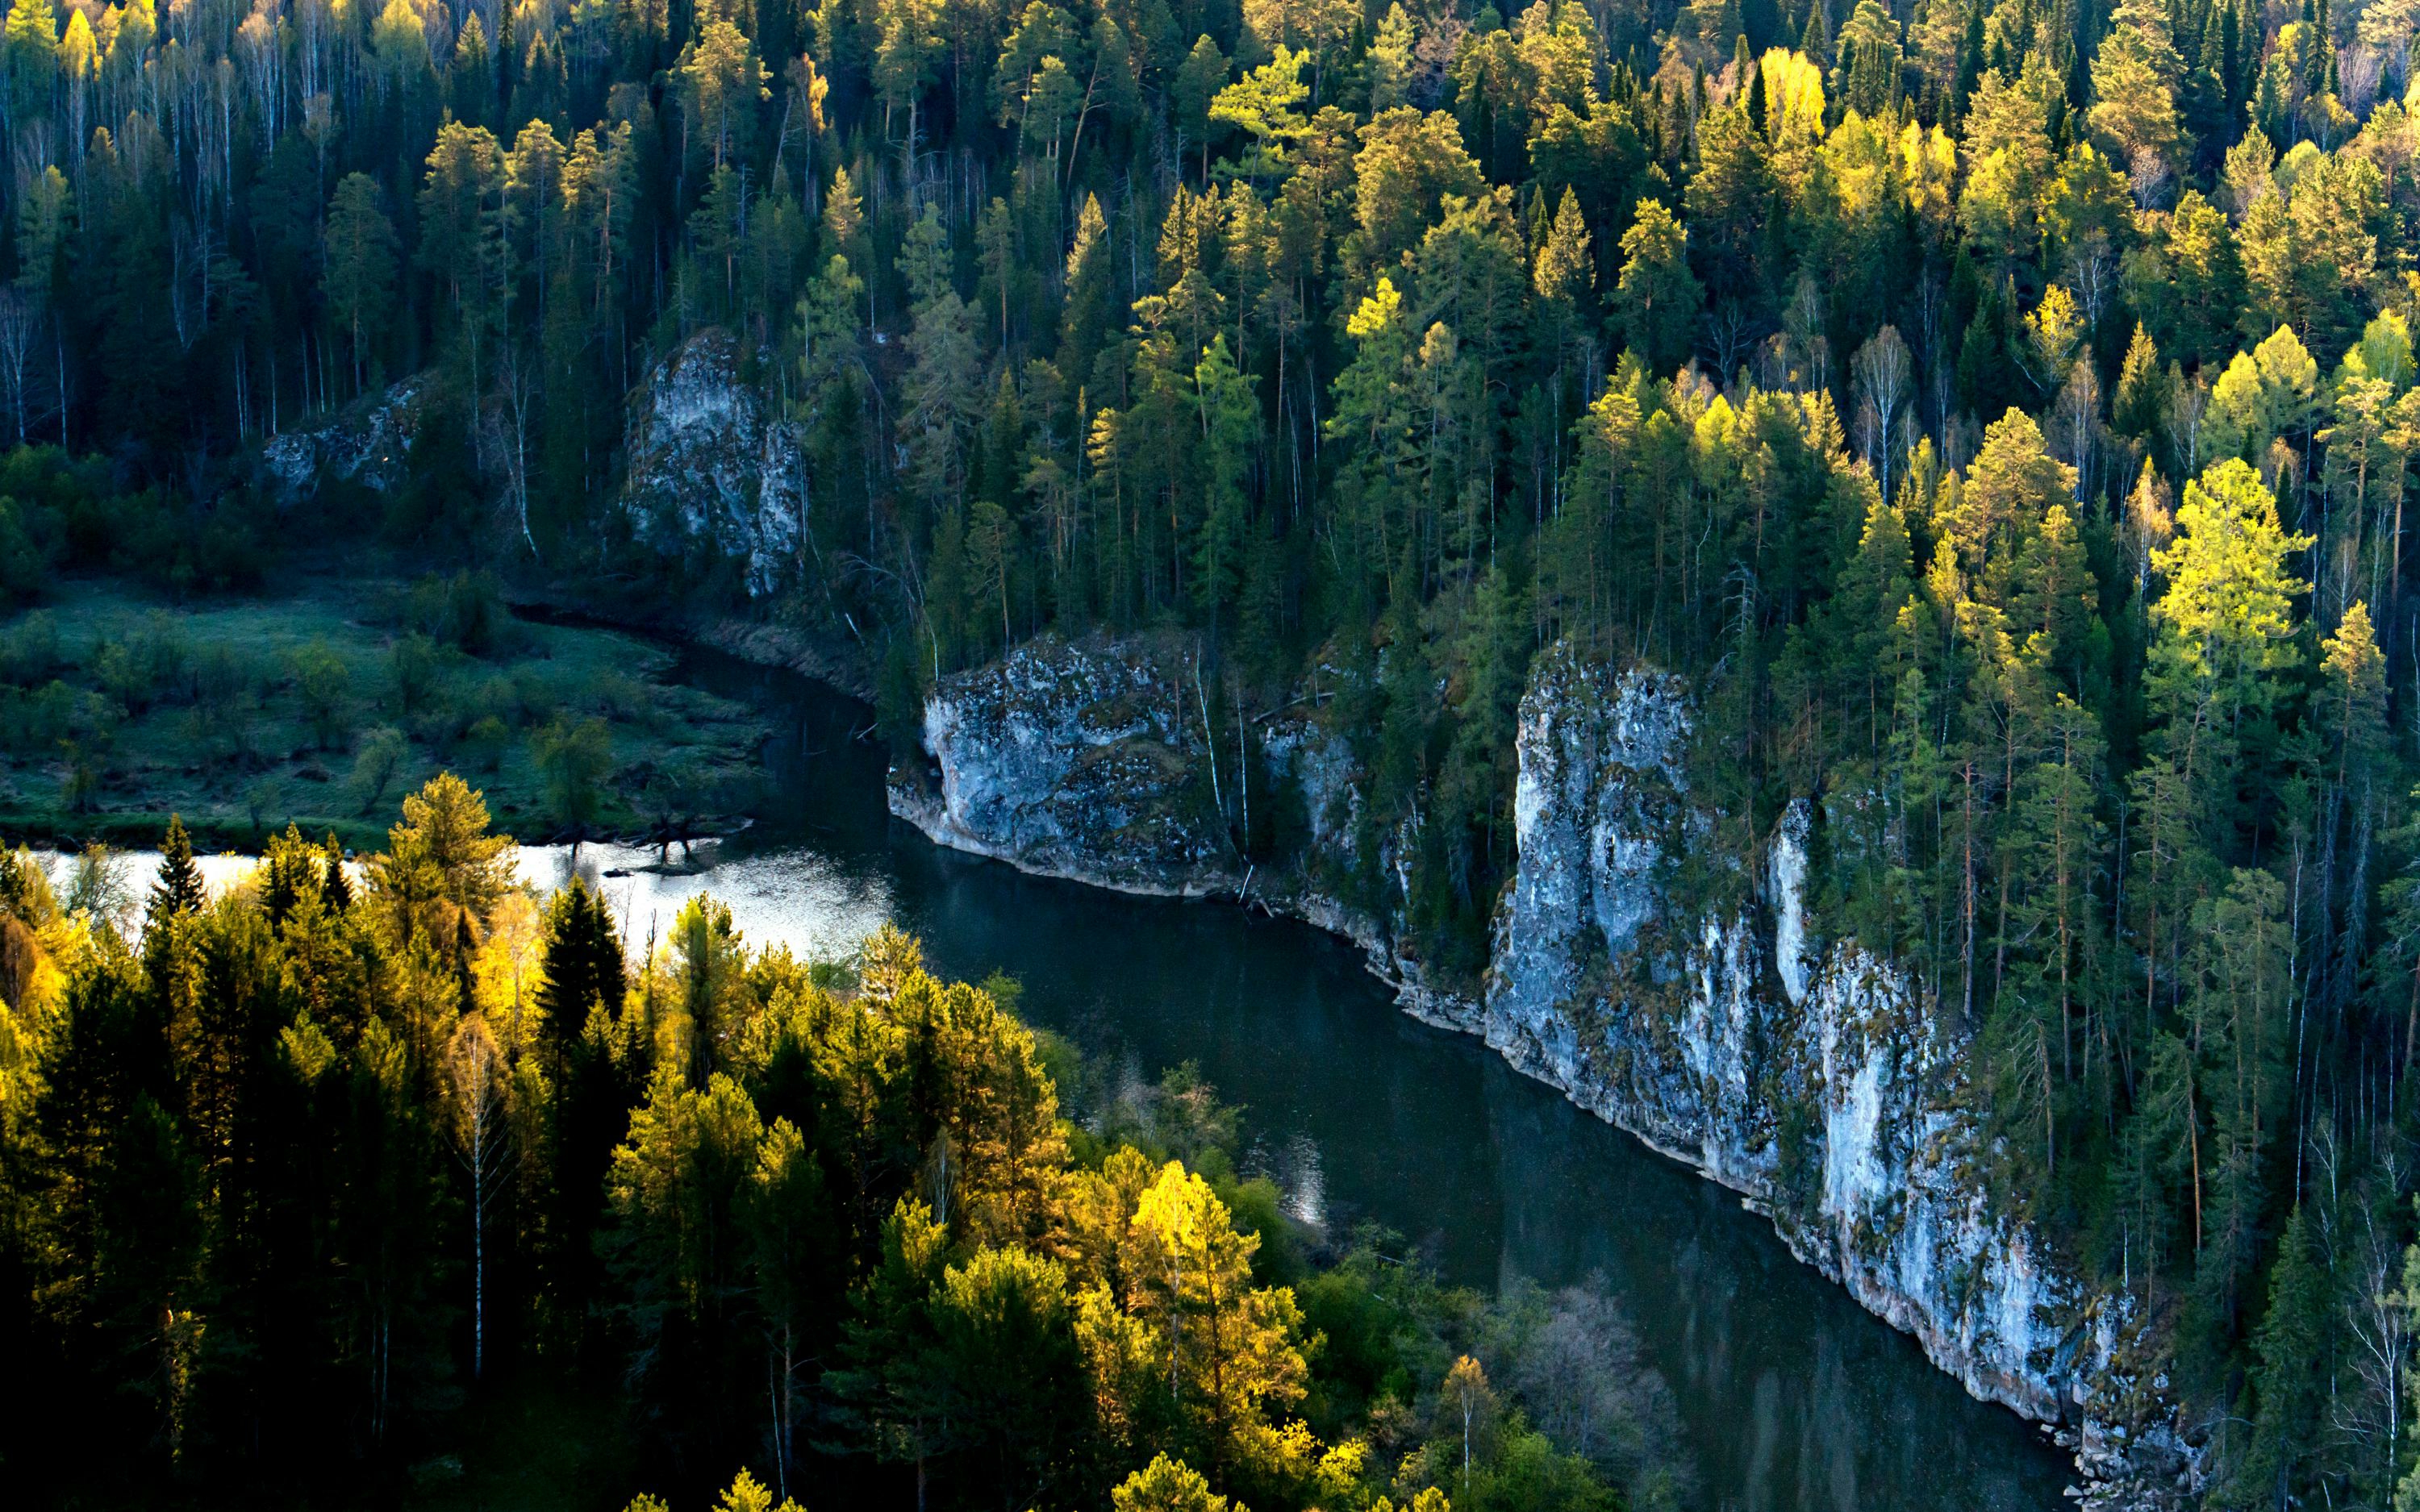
{"x":1731,"y":1031}
{"x":1072,"y":762}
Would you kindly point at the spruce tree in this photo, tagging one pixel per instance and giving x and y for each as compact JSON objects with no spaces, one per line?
{"x":2288,"y":1394}
{"x":180,"y":887}
{"x":580,"y":964}
{"x":335,"y":889}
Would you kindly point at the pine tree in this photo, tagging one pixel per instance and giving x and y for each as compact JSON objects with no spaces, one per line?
{"x":361,"y":266}
{"x":2140,"y":407}
{"x":1658,"y":298}
{"x":2287,"y":1393}
{"x":721,"y":84}
{"x":844,"y":214}
{"x":180,"y":887}
{"x":2225,"y":627}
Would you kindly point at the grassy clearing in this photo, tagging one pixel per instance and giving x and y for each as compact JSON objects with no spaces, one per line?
{"x":323,"y":707}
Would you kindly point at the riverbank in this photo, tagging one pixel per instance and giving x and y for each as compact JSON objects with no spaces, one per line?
{"x":1945,"y":1332}
{"x":318,"y":707}
{"x":844,"y":666}
{"x":1792,"y":1392}
{"x":1067,"y":762}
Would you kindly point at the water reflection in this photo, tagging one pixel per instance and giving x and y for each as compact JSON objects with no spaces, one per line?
{"x":792,"y":896}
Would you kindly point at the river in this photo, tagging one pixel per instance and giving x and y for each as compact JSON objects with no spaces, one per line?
{"x":1791,"y":1397}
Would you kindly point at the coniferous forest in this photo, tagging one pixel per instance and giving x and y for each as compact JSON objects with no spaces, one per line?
{"x":318,"y":1182}
{"x":2000,"y":414}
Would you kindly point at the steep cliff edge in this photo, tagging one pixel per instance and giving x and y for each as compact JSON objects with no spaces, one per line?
{"x":1802,"y":1071}
{"x":1091,"y":763}
{"x":1732,"y":1034}
{"x":1071,"y":761}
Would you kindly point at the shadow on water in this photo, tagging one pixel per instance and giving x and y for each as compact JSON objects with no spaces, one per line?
{"x":1789,"y":1395}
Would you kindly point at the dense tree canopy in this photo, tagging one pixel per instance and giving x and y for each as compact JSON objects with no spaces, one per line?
{"x":301,"y":1182}
{"x":2003,"y":412}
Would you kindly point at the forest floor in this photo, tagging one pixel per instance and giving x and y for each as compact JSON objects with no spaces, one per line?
{"x":324,"y":706}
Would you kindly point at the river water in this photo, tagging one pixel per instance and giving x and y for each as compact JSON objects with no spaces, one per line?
{"x":1790,"y":1396}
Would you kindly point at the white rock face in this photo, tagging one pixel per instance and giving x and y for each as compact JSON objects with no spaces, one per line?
{"x":366,"y":443}
{"x":1722,"y":1028}
{"x":1332,"y":793}
{"x":1791,"y":955}
{"x":1074,"y":761}
{"x":711,"y":476}
{"x":1599,"y":789}
{"x":1826,"y":1088}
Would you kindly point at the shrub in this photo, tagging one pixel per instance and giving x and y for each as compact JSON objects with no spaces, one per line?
{"x":321,"y":680}
{"x":534,"y":698}
{"x":80,"y":789}
{"x":35,"y":721}
{"x":29,"y":655}
{"x":616,"y":695}
{"x":165,"y":653}
{"x":24,"y":565}
{"x":377,"y":761}
{"x":466,"y":611}
{"x":165,"y":543}
{"x":411,"y":662}
{"x":493,"y":700}
{"x":483,"y":744}
{"x":575,"y":761}
{"x":223,"y":675}
{"x":259,"y":801}
{"x":123,"y":674}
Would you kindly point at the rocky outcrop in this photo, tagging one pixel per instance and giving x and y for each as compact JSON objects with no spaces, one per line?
{"x":712,"y":477}
{"x":1089,"y":762}
{"x":1071,"y":761}
{"x":1704,"y":1009}
{"x":1813,"y":1078}
{"x":1805,"y":1073}
{"x":367,"y":443}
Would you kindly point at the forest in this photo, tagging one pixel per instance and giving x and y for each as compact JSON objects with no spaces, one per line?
{"x":2001,"y":413}
{"x":314,"y":1186}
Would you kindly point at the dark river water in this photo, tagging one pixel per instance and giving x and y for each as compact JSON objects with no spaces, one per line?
{"x":1790,"y":1396}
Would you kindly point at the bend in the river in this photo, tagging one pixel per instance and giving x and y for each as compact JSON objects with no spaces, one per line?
{"x":1790,"y":1395}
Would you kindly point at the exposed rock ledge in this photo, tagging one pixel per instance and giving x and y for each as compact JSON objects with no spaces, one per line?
{"x":1807,"y":1075}
{"x":1070,"y":762}
{"x":365,"y":443}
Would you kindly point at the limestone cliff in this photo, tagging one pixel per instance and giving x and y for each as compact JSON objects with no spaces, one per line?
{"x":1734,"y":1034}
{"x":1802,"y":1071}
{"x":1090,"y":762}
{"x":1071,"y":761}
{"x":712,"y":477}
